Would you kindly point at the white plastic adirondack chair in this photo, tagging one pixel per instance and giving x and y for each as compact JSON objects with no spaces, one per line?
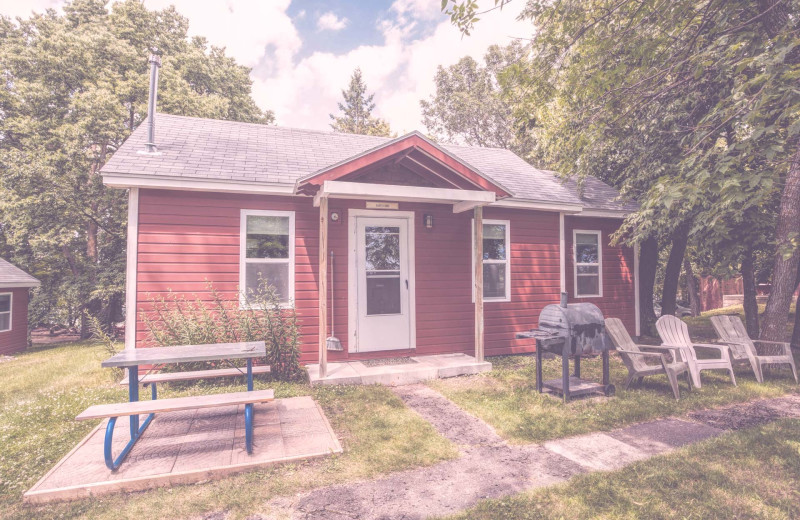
{"x":675,"y":333}
{"x":636,"y":360}
{"x":732,"y":332}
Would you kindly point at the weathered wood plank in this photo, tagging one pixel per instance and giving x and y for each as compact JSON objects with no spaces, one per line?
{"x":175,"y":404}
{"x":166,"y":377}
{"x":478,"y":239}
{"x":323,"y":286}
{"x":187,"y":353}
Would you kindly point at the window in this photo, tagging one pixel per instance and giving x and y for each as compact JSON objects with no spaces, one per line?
{"x":496,"y":260}
{"x":267,"y":252}
{"x":588,"y":254}
{"x":5,"y":312}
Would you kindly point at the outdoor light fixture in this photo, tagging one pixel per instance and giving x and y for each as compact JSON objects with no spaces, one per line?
{"x":429,"y":221}
{"x":334,"y":216}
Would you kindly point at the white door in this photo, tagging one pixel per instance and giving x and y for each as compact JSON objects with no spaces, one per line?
{"x":383,"y":284}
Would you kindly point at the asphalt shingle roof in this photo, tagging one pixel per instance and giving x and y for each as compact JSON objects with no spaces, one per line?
{"x":210,"y":149}
{"x":13,"y":275}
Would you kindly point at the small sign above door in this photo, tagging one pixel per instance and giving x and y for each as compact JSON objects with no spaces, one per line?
{"x":382,"y":205}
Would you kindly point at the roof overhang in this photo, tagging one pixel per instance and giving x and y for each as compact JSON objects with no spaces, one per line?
{"x":18,"y":285}
{"x":117,"y":180}
{"x":561,"y":207}
{"x":417,"y":153}
{"x":603,"y":213}
{"x":462,"y":200}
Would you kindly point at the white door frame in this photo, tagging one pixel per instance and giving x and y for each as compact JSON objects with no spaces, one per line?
{"x":352,"y":272}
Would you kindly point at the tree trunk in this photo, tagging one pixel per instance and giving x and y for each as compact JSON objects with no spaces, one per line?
{"x":787,"y":256}
{"x":648,"y":265}
{"x":749,"y":294}
{"x":796,"y":328}
{"x":691,"y":284}
{"x":672,"y":272}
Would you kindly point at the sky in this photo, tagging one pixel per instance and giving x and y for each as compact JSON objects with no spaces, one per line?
{"x":303,"y":52}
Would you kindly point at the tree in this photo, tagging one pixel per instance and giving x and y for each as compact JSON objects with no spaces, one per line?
{"x":714,"y":81}
{"x":471,"y":107}
{"x":74,"y":87}
{"x":356,"y":111}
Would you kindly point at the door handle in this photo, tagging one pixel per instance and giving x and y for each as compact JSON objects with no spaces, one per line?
{"x":406,"y":285}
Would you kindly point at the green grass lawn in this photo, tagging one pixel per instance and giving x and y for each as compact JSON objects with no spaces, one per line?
{"x":507,"y":398}
{"x":750,"y":474}
{"x":42,"y":391}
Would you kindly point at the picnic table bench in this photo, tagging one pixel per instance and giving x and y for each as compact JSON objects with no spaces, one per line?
{"x":131,"y":359}
{"x":113,"y":411}
{"x":168,"y":377}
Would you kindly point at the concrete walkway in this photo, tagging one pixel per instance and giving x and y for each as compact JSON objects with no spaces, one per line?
{"x":411,"y":370}
{"x":490,"y":468}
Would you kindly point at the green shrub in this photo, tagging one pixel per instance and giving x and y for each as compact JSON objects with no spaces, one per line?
{"x":178,"y":321}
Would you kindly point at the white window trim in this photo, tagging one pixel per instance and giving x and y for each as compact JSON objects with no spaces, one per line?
{"x":10,"y":311}
{"x":507,"y":261}
{"x":243,"y":260}
{"x":599,"y":263}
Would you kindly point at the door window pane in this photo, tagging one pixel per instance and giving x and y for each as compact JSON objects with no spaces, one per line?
{"x":275,"y":275}
{"x":382,"y":248}
{"x":382,"y":253}
{"x":383,"y":294}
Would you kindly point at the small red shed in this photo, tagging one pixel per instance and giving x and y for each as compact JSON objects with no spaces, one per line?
{"x":15,"y":285}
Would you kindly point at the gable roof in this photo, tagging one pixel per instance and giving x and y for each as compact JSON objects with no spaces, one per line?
{"x":229,"y":152}
{"x":13,"y":276}
{"x":401,"y":148}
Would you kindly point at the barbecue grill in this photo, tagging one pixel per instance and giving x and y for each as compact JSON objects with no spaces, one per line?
{"x":575,"y":330}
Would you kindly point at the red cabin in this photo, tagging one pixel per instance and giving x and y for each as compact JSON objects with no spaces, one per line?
{"x":400,"y":218}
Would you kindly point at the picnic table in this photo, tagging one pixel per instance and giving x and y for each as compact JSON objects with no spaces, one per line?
{"x":132,"y":359}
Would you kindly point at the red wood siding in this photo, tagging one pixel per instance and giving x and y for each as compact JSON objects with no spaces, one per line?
{"x":618,"y":298}
{"x":187,"y":239}
{"x":16,"y":339}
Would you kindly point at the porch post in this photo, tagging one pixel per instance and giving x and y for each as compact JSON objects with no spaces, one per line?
{"x":323,"y":286}
{"x":478,"y":240}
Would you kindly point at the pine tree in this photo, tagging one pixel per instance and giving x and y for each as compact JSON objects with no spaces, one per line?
{"x":357,"y":110}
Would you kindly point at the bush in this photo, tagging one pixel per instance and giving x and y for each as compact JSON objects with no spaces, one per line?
{"x":178,"y":321}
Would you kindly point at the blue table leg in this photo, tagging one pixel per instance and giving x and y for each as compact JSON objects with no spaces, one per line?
{"x":133,"y":395}
{"x":136,"y":430}
{"x":249,"y":375}
{"x":248,"y":427}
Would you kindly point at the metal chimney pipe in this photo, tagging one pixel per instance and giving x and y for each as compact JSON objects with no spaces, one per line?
{"x":155,"y":63}
{"x":564,"y":298}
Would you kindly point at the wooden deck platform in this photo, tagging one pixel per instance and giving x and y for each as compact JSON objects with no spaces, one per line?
{"x":190,"y":446}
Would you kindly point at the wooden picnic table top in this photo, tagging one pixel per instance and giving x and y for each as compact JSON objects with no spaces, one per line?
{"x":186,"y":353}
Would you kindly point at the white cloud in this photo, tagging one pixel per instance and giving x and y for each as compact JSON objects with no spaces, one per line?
{"x":302,"y":92}
{"x":419,"y":9}
{"x":251,"y":30}
{"x":330,"y":22}
{"x":399,"y":71}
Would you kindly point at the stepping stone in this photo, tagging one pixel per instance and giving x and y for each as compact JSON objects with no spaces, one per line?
{"x":597,"y":451}
{"x":663,"y":435}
